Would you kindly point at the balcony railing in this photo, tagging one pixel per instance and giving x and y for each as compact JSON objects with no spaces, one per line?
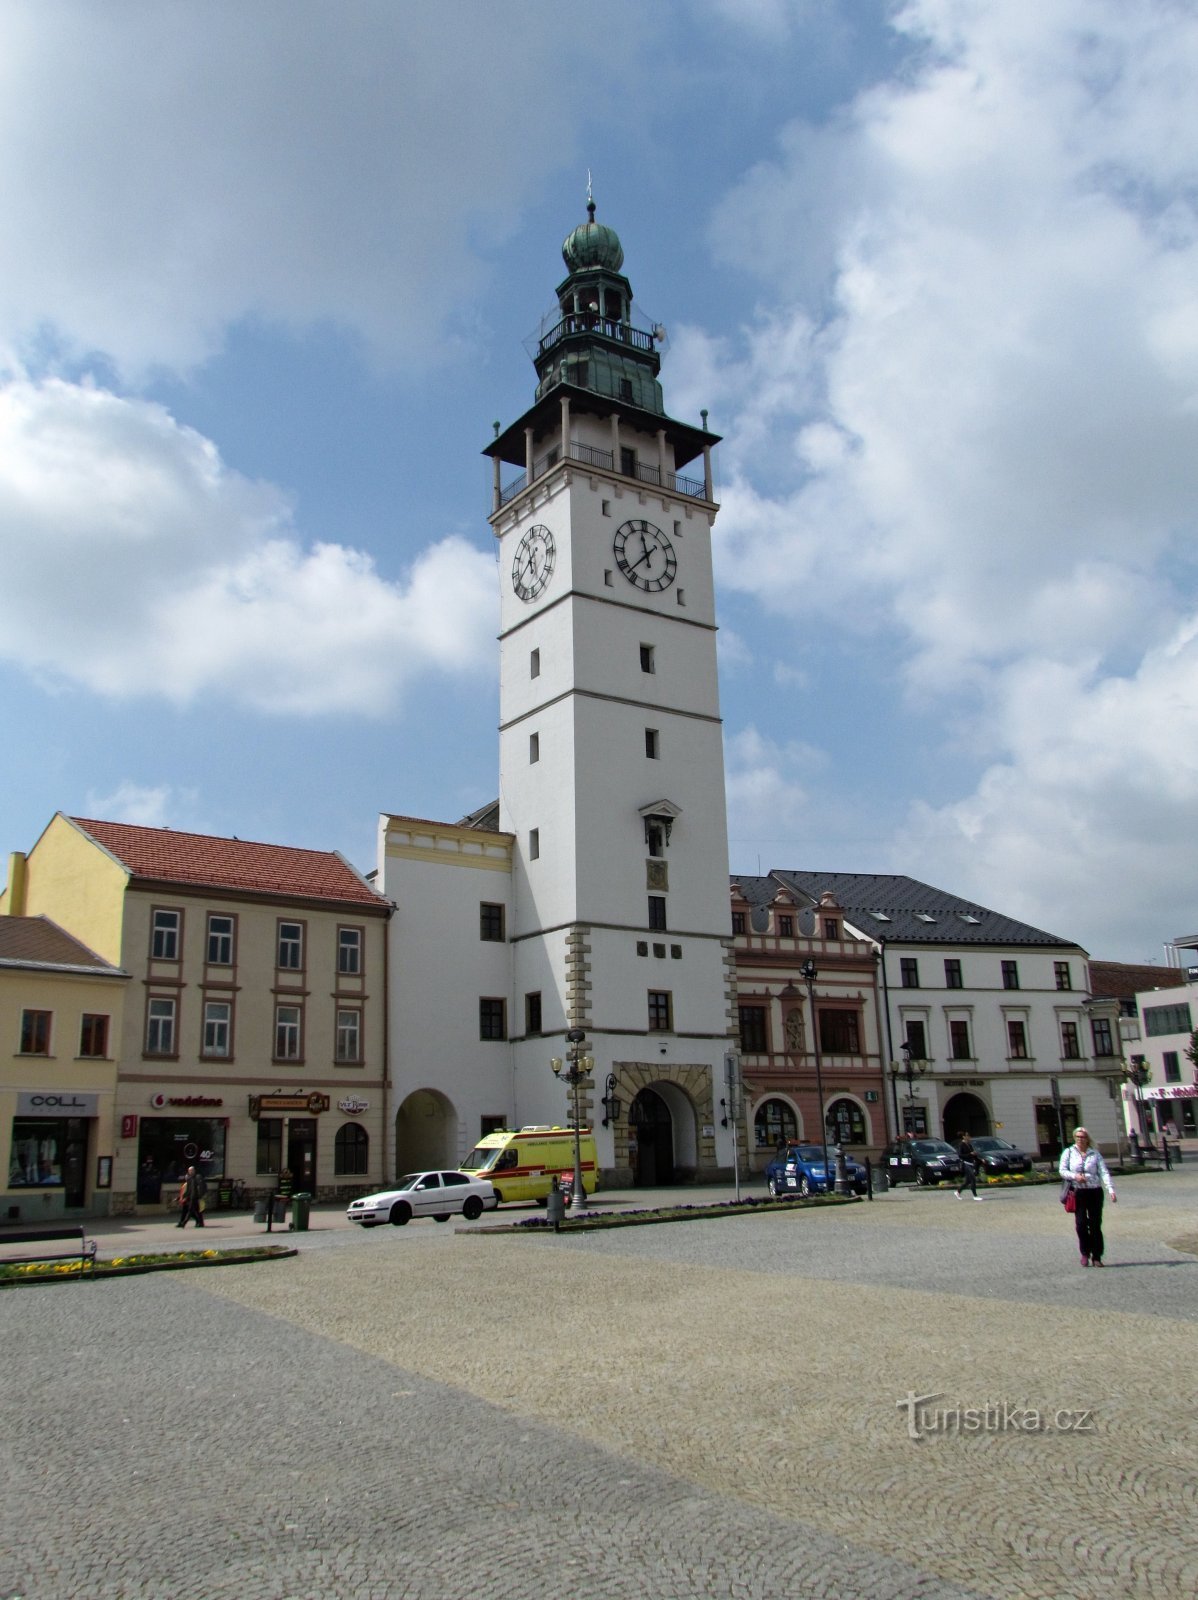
{"x":592,"y":323}
{"x":589,"y":456}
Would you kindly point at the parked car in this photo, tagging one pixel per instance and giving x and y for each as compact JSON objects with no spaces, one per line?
{"x":799,"y":1169}
{"x":922,"y":1161}
{"x":425,"y":1194}
{"x":999,"y":1155}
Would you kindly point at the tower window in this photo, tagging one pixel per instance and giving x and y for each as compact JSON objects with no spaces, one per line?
{"x":534,"y":747}
{"x":532,"y":1012}
{"x":534,"y":664}
{"x":682,"y":597}
{"x":492,"y":1018}
{"x":627,"y":461}
{"x":606,"y":505}
{"x":660,"y":1011}
{"x":655,"y":838}
{"x":534,"y":844}
{"x":625,"y":388}
{"x":652,"y":748}
{"x":647,"y":663}
{"x":607,"y":577}
{"x":657,"y":912}
{"x":490,"y":922}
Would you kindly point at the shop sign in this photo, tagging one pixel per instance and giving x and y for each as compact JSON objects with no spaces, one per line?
{"x":66,"y":1104}
{"x":265,"y":1105}
{"x":129,"y":1125}
{"x":160,"y":1100}
{"x":353,"y":1105}
{"x":1172,"y":1091}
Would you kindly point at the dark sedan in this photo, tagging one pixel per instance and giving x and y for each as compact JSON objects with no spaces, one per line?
{"x":997,"y":1157}
{"x":922,"y":1161}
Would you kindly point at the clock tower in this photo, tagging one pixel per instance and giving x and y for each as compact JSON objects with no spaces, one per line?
{"x":611,"y":759}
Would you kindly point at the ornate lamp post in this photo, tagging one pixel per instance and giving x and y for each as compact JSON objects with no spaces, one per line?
{"x":575,"y":1074}
{"x":911,"y":1069}
{"x":1137,"y":1074}
{"x":809,"y":974}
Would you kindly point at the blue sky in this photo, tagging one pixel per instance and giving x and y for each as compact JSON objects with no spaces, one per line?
{"x":268,"y":273}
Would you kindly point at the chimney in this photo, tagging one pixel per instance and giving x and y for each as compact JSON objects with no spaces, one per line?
{"x":14,"y":904}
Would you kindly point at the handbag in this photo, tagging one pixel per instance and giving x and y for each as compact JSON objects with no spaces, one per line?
{"x":1071,"y":1201}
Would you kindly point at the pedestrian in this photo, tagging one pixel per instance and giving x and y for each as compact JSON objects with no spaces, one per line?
{"x":1083,"y":1168}
{"x":191,"y":1199}
{"x":969,"y":1165}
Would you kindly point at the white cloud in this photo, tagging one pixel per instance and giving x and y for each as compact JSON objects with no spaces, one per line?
{"x":144,"y":805}
{"x":138,"y":564}
{"x":168,"y":170}
{"x":993,"y":448}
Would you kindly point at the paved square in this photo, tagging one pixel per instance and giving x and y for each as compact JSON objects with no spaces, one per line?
{"x":705,"y":1409}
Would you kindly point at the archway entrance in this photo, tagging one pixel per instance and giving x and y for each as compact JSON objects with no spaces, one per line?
{"x":652,"y":1126}
{"x":965,"y":1113}
{"x":426,"y":1132}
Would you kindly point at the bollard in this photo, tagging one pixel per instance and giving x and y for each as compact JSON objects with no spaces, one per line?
{"x":555,"y":1207}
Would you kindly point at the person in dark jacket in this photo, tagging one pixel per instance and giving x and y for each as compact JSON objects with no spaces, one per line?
{"x":191,"y":1192}
{"x":969,"y":1162}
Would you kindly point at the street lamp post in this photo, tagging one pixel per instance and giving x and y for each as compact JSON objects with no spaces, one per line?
{"x":910,"y":1070}
{"x":575,"y":1075}
{"x":809,"y":974}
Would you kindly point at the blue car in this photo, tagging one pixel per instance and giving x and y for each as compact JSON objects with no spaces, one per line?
{"x":799,"y":1169}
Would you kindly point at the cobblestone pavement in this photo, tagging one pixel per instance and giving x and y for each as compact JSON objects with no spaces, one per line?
{"x":718,"y":1408}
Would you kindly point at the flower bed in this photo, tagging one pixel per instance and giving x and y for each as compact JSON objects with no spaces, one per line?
{"x":595,"y":1221}
{"x":124,"y":1266}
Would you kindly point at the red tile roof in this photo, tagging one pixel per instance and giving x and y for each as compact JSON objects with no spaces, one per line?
{"x":161,"y":855}
{"x":1122,"y":979}
{"x":39,"y":942}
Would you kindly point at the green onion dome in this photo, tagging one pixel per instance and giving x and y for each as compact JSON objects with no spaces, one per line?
{"x":593,"y":245}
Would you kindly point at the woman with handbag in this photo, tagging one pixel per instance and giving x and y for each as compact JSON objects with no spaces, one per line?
{"x":1084,"y":1170}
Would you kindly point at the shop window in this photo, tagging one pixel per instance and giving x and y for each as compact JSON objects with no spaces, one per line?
{"x":349,"y":952}
{"x":93,"y":1035}
{"x":774,"y":1123}
{"x":35,"y":1033}
{"x":270,"y":1146}
{"x":349,"y":1037}
{"x":351,"y":1151}
{"x":846,"y":1122}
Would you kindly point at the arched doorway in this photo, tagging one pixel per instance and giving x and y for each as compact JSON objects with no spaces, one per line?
{"x":846,"y":1122}
{"x":662,"y":1122}
{"x":965,"y":1113}
{"x":426,"y":1132}
{"x":775,"y":1123}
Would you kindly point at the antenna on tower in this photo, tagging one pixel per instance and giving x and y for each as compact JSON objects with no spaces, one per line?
{"x":590,"y":196}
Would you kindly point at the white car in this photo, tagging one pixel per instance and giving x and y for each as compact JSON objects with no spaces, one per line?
{"x":425,"y":1194}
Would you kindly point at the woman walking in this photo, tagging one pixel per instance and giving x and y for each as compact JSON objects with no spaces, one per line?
{"x":1082,"y":1166}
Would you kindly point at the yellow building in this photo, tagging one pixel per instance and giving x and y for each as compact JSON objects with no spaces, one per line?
{"x":61,"y":1015}
{"x":253,"y":1044}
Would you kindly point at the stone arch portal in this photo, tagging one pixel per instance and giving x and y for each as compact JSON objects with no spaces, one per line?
{"x":965,"y":1113}
{"x":426,"y":1132}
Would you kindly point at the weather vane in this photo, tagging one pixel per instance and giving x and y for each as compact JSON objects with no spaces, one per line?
{"x":590,"y":196}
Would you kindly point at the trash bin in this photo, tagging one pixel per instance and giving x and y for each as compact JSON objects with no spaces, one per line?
{"x":301,"y":1206}
{"x":260,"y":1210}
{"x":555,"y":1207}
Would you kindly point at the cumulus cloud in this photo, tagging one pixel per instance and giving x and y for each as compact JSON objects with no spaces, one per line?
{"x":137,"y":563}
{"x":994,"y":448}
{"x":168,"y":170}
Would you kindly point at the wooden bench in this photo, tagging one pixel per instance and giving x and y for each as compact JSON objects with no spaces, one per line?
{"x":82,"y":1247}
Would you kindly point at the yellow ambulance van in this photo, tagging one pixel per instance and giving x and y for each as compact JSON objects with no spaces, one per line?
{"x":521,"y":1165}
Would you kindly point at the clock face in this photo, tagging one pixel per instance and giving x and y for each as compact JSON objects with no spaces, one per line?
{"x":644,"y":555}
{"x":533,"y":565}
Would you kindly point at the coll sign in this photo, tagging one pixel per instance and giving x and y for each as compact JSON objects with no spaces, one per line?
{"x":64,"y":1104}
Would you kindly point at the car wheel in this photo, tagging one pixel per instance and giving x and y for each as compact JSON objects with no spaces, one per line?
{"x":921,"y":1177}
{"x":472,"y":1208}
{"x":804,"y":1184}
{"x":401,"y":1212}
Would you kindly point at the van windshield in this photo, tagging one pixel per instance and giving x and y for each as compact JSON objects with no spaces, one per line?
{"x":479,"y":1159}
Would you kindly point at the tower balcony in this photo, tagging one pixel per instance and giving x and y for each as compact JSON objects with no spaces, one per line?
{"x":589,"y":456}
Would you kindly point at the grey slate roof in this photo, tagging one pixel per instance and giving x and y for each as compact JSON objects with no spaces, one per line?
{"x":38,"y":942}
{"x":900,"y":910}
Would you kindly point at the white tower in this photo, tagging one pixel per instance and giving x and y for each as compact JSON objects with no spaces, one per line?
{"x":611,"y":761}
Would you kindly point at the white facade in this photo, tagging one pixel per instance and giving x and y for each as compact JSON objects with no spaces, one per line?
{"x":1170,"y":1096}
{"x":1017,"y":1023}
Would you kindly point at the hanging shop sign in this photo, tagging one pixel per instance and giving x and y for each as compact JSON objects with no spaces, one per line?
{"x":353,"y":1105}
{"x":266,"y":1105}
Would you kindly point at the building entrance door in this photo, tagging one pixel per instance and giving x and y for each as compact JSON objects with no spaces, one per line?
{"x":301,"y":1154}
{"x":650,"y":1120}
